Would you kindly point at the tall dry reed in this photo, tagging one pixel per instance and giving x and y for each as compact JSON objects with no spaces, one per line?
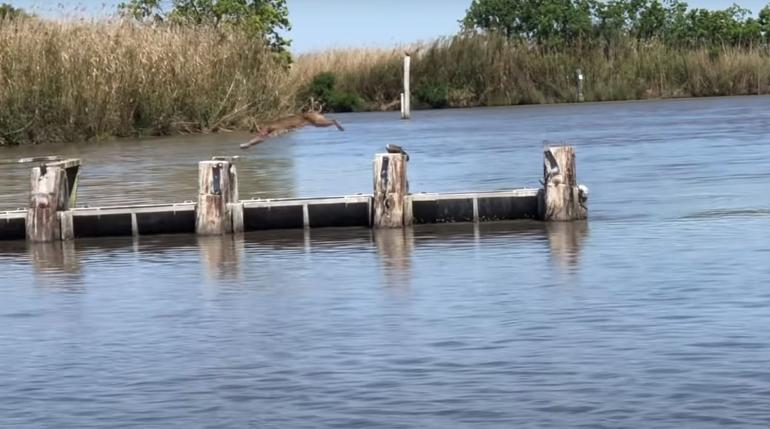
{"x":489,"y":70}
{"x":68,"y":81}
{"x":65,"y":81}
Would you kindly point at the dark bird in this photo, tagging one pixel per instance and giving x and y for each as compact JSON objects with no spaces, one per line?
{"x":393,"y":148}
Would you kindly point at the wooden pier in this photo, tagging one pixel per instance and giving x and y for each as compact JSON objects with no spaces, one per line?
{"x":52,"y":214}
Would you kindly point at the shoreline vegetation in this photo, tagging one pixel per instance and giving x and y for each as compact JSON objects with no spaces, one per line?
{"x":491,"y":70}
{"x":93,"y":80}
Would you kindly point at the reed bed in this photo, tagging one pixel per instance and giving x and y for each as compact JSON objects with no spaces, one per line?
{"x":490,"y":70}
{"x":68,"y":81}
{"x":74,"y":81}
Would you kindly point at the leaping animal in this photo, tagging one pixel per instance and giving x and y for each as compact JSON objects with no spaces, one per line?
{"x":284,"y":125}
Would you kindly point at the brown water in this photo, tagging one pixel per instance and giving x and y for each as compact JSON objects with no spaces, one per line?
{"x":651,"y":314}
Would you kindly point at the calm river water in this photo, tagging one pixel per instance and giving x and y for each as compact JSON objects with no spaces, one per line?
{"x":654,"y":313}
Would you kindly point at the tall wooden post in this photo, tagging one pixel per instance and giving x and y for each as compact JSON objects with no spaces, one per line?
{"x":217,"y":188}
{"x":562,"y":199}
{"x":580,"y":97}
{"x":390,"y":190}
{"x":406,"y":96}
{"x":53,"y":189}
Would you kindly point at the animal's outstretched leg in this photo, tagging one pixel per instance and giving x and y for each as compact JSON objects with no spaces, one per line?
{"x":328,"y":123}
{"x":256,"y":140}
{"x":318,"y":120}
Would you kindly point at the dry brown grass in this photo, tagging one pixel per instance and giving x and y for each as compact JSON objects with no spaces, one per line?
{"x":68,"y":81}
{"x":491,"y":70}
{"x":65,"y":81}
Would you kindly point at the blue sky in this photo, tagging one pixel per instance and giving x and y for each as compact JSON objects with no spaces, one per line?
{"x":321,"y":24}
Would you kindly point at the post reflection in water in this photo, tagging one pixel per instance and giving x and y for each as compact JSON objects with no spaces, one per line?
{"x":565,"y":240}
{"x":221,"y":256}
{"x":59,"y":257}
{"x":394,"y":246}
{"x":59,"y":264}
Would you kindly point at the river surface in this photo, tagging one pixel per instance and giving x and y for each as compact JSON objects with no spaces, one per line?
{"x":654,"y":313}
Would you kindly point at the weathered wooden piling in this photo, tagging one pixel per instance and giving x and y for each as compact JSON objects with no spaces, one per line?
{"x":562,"y":198}
{"x":390,"y":206}
{"x":580,"y":97}
{"x":217,"y":190}
{"x":53,"y":189}
{"x":406,"y":96}
{"x":52,"y":214}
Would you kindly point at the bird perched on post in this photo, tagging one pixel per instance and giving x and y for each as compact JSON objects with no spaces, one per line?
{"x":393,"y":148}
{"x":583,"y":193}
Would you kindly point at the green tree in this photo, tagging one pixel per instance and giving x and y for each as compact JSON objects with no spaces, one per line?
{"x":569,"y":22}
{"x":551,"y":22}
{"x":764,"y":21}
{"x":263,"y":18}
{"x":611,"y":19}
{"x":9,"y":12}
{"x":649,"y":19}
{"x":720,"y":27}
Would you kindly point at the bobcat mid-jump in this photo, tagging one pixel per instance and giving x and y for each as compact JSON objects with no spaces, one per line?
{"x":284,"y":125}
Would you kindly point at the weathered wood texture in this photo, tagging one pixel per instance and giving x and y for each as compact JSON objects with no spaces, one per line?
{"x":405,"y":107}
{"x":236,"y":212}
{"x":562,"y":200}
{"x":217,"y":188}
{"x":53,"y":189}
{"x":67,"y":225}
{"x":579,"y":76}
{"x":390,"y":190}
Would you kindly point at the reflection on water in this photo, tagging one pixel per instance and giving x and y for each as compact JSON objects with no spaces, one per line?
{"x":565,"y":240}
{"x":57,"y":258}
{"x":394,"y":247}
{"x":659,"y":321}
{"x":222,"y":258}
{"x":152,"y":171}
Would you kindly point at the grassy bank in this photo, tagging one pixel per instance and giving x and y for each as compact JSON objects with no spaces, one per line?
{"x":477,"y":70}
{"x":78,"y":81}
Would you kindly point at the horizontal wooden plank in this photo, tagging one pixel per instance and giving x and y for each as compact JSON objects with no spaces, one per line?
{"x":149,"y":208}
{"x":13,"y":214}
{"x":339,"y":214}
{"x":507,"y":208}
{"x":429,"y":196}
{"x":273,"y":217}
{"x":282,"y":202}
{"x":102,"y":225}
{"x":443,"y":210}
{"x":13,"y":228}
{"x":166,"y":222}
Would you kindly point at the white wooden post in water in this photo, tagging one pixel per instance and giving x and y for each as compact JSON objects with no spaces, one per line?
{"x":217,"y":189}
{"x":390,"y":206}
{"x":580,"y":97}
{"x":53,"y":189}
{"x":562,"y":199}
{"x":406,"y":95}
